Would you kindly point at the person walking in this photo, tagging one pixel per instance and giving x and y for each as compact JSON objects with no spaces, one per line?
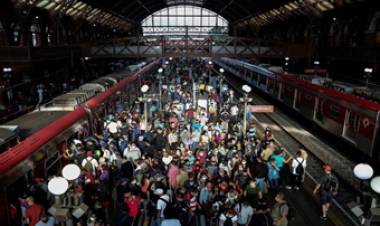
{"x":328,"y":186}
{"x":298,"y":169}
{"x":280,"y":210}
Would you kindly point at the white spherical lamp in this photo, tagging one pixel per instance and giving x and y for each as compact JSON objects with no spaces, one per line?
{"x":144,"y":88}
{"x":246,"y":88}
{"x":58,"y":185}
{"x":363,"y":171}
{"x":71,"y":172}
{"x":375,"y":184}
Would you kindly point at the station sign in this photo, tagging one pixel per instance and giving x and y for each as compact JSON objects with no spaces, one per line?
{"x":260,"y":108}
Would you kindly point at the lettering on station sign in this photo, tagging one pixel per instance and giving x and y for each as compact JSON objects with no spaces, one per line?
{"x":260,"y":108}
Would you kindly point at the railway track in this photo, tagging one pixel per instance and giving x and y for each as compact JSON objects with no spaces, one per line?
{"x":285,"y":136}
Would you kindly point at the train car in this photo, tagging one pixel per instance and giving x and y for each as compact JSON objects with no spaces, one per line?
{"x":354,"y":119}
{"x":45,"y":135}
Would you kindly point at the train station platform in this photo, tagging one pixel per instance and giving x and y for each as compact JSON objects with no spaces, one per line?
{"x":177,"y":144}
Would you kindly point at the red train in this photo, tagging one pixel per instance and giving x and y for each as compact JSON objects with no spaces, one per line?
{"x":48,"y":129}
{"x":352,"y":118}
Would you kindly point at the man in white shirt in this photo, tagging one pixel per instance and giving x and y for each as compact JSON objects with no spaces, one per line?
{"x":245,"y":212}
{"x":132,"y":152}
{"x":91,"y":160}
{"x":160,"y":206}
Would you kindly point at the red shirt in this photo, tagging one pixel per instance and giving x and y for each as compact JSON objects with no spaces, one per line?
{"x":133,"y":205}
{"x":34,"y":213}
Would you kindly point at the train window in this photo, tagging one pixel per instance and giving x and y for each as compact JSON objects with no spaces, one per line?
{"x":298,"y":100}
{"x":308,"y":97}
{"x":357,"y":122}
{"x":334,"y":111}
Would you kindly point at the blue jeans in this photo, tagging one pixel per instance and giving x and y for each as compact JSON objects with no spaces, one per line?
{"x":260,"y":184}
{"x":156,"y":221}
{"x":273,"y":183}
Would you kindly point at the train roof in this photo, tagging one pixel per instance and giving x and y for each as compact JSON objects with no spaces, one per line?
{"x":360,"y":101}
{"x":34,"y":121}
{"x":7,"y":132}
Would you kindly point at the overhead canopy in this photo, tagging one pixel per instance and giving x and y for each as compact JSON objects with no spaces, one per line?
{"x":123,"y":14}
{"x":232,"y":10}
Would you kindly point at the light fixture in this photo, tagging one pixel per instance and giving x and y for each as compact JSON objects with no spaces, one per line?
{"x":221,"y":70}
{"x":287,"y":58}
{"x":368,"y":70}
{"x":375,"y":184}
{"x":166,"y":62}
{"x":7,"y":69}
{"x":36,"y":17}
{"x":246,"y":88}
{"x":71,"y":172}
{"x":334,"y":18}
{"x":58,"y":185}
{"x":363,"y":171}
{"x":170,"y":58}
{"x":316,"y":62}
{"x":210,"y":62}
{"x":160,"y":70}
{"x":144,"y":88}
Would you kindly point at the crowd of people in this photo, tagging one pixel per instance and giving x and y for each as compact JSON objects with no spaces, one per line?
{"x":188,"y":165}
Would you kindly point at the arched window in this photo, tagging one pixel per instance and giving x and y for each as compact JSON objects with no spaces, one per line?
{"x":184,"y":20}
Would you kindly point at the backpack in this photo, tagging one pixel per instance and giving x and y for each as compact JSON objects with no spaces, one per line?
{"x":228,"y":221}
{"x":292,"y":212}
{"x":299,"y":169}
{"x":88,"y":166}
{"x":169,"y":209}
{"x":330,"y":185}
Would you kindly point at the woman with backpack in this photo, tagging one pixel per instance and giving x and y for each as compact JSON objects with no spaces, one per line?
{"x":298,"y":169}
{"x":228,"y":218}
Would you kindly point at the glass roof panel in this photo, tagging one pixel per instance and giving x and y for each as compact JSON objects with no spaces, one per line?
{"x":182,"y":19}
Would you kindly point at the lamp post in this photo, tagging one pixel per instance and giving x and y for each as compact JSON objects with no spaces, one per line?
{"x":287,"y":59}
{"x":247,"y":89}
{"x":145,"y":89}
{"x":160,"y":70}
{"x":368,"y":75}
{"x":316,"y":66}
{"x":7,"y":74}
{"x":221,"y":71}
{"x":209,"y":70}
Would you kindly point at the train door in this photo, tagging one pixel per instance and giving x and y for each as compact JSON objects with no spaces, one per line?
{"x":318,"y":110}
{"x":280,"y":91}
{"x":296,"y":99}
{"x":351,"y":125}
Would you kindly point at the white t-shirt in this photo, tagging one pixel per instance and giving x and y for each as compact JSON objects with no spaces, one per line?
{"x":171,"y":222}
{"x":295,"y":164}
{"x":234,"y":110}
{"x":244,"y":213}
{"x":161,"y":204}
{"x":224,"y":218}
{"x":112,"y":127}
{"x":93,"y":162}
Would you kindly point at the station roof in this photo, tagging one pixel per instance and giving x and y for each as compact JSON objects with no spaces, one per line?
{"x":124,"y":14}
